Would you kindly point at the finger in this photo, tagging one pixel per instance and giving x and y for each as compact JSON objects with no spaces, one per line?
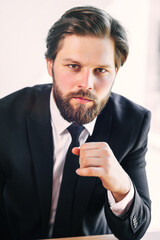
{"x":94,"y":145}
{"x":90,"y":162}
{"x":93,"y":158}
{"x":91,"y":153}
{"x":76,"y":151}
{"x":89,"y":172}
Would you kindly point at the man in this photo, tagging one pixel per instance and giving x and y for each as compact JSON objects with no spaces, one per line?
{"x":42,"y":195}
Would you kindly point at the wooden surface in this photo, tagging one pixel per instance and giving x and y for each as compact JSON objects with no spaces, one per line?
{"x":98,"y":237}
{"x":148,"y":236}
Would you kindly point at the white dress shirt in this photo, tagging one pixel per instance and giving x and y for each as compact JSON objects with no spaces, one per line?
{"x":61,"y":142}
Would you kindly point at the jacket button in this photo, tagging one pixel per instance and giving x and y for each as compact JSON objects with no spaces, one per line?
{"x":135,"y":222}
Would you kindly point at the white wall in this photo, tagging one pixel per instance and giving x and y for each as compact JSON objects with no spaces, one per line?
{"x":23,"y":29}
{"x":134,"y":15}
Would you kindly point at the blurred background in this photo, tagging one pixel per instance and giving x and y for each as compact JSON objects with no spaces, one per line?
{"x":23,"y":30}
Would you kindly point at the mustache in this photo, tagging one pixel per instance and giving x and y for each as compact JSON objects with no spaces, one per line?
{"x":84,"y":94}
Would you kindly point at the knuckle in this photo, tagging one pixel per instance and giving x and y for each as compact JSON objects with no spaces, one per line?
{"x":83,"y":161}
{"x":104,"y":155}
{"x":105,"y":145}
{"x":90,"y":171}
{"x":104,"y":152}
{"x":83,"y":147}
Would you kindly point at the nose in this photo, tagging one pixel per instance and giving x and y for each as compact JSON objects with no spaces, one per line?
{"x":86,"y":79}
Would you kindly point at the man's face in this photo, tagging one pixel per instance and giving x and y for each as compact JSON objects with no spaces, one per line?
{"x":83,"y":74}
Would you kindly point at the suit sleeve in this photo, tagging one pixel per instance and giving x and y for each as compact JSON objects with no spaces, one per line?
{"x":2,"y":140}
{"x":1,"y":183}
{"x":136,"y":221}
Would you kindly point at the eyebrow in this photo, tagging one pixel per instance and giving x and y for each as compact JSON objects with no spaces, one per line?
{"x":70,"y":60}
{"x":77,"y":62}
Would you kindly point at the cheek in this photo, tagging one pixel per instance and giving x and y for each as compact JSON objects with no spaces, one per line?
{"x":64,"y":80}
{"x":103,"y":87}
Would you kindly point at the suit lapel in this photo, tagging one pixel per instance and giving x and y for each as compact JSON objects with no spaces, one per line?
{"x":85,"y":185}
{"x":41,"y":144}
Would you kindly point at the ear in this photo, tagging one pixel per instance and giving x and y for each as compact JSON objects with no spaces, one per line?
{"x":49,"y":66}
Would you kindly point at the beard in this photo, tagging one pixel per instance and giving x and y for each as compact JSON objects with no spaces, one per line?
{"x":79,"y":113}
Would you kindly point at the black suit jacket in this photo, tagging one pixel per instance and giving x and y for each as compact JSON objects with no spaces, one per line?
{"x":26,"y":166}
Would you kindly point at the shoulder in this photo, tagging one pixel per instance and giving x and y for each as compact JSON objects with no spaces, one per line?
{"x":24,"y":97}
{"x":130,"y":124}
{"x":14,"y":107}
{"x":121,"y":102}
{"x":25,"y":93}
{"x":127,"y":116}
{"x":123,"y":107}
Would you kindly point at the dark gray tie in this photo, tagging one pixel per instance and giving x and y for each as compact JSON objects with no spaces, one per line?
{"x":63,"y":219}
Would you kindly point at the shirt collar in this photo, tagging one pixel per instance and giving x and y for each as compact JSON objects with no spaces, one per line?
{"x":61,"y":124}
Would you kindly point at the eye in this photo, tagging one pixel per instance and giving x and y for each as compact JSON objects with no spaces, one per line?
{"x":74,"y":66}
{"x":100,"y":70}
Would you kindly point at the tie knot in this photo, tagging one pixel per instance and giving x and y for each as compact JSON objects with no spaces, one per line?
{"x":75,"y":131}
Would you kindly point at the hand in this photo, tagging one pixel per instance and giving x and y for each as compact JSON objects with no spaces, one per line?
{"x":97,"y":159}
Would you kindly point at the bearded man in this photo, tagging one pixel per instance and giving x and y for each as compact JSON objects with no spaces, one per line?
{"x":72,"y":154}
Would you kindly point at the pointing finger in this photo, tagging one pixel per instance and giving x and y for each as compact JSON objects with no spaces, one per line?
{"x":76,"y":151}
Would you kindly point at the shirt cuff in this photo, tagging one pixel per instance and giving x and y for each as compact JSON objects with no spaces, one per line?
{"x":120,"y":208}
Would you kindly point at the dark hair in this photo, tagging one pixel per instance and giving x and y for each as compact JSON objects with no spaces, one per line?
{"x":88,"y":21}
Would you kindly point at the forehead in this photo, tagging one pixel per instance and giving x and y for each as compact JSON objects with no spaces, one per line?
{"x":87,"y":49}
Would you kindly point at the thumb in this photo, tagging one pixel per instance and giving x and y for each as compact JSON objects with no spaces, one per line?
{"x":76,"y":151}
